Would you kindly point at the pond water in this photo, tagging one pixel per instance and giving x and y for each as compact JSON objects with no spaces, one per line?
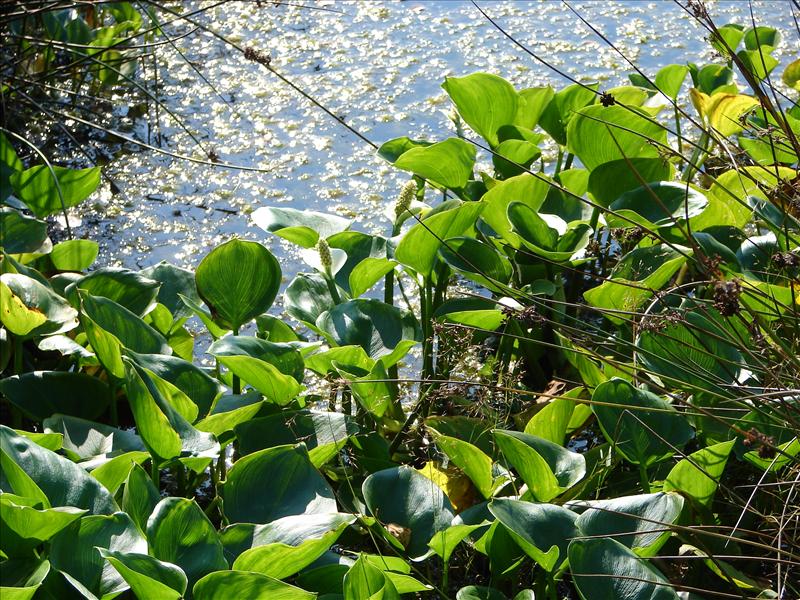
{"x":378,"y":65}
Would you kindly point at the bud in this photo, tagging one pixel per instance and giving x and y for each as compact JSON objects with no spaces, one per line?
{"x":324,"y":254}
{"x":404,"y":199}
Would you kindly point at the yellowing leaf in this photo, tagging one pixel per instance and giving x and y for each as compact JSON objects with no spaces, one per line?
{"x":18,"y":318}
{"x":454,"y":483}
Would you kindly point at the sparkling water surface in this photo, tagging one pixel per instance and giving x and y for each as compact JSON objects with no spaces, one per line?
{"x":377,"y":65}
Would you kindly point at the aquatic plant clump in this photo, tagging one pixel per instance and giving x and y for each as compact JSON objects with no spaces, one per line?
{"x":605,"y":402}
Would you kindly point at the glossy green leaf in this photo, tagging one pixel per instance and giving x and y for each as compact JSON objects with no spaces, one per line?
{"x":113,"y":472}
{"x":139,"y":497}
{"x":552,"y":421}
{"x":639,"y":522}
{"x":600,"y":134}
{"x":532,"y":102}
{"x":543,"y":531}
{"x":238,"y":280}
{"x":669,"y":79}
{"x":323,"y":433}
{"x":46,"y":195}
{"x":84,"y":439}
{"x":472,"y":460}
{"x":281,"y":560}
{"x":479,"y":592}
{"x":643,"y":427}
{"x":419,"y":246}
{"x":179,"y":532}
{"x":295,"y":486}
{"x":131,"y":331}
{"x":604,"y":568}
{"x":21,"y":578}
{"x":21,"y":233}
{"x":655,"y":205}
{"x":307,"y":297}
{"x":74,"y":255}
{"x":175,"y":282}
{"x":610,"y":180}
{"x":403,"y":496}
{"x":285,"y":357}
{"x":40,"y":394}
{"x":148,"y":577}
{"x":74,"y":552}
{"x":230,"y":411}
{"x":290,"y":531}
{"x":373,"y":389}
{"x":486,"y":102}
{"x":302,"y":227}
{"x":527,"y":189}
{"x":380,"y":329}
{"x":225,"y":585}
{"x":278,"y":388}
{"x":28,"y":308}
{"x":698,"y":475}
{"x":25,"y":526}
{"x":63,"y":482}
{"x":477,"y":261}
{"x":561,"y":109}
{"x":448,"y":163}
{"x":546,"y":468}
{"x":364,"y":581}
{"x":367,"y":273}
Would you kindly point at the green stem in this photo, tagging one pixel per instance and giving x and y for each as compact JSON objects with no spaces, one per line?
{"x":644,"y":478}
{"x":445,"y":576}
{"x":570,"y":158}
{"x":678,"y":129}
{"x":236,"y":384}
{"x":155,"y":473}
{"x":559,"y":160}
{"x":698,"y":157}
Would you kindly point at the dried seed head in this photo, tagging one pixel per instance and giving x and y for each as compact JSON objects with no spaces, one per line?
{"x":606,"y":99}
{"x":258,"y":56}
{"x":405,"y":198}
{"x":726,"y":297}
{"x":324,"y":254}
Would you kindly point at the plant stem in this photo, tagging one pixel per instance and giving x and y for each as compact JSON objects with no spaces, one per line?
{"x":698,"y":157}
{"x":17,"y":355}
{"x":645,"y":479}
{"x":445,"y":575}
{"x":235,"y":383}
{"x":155,"y":473}
{"x":552,"y":588}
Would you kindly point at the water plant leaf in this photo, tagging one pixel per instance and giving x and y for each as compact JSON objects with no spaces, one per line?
{"x":526,"y":188}
{"x":20,"y":578}
{"x":74,"y":255}
{"x":561,"y":109}
{"x":367,"y":273}
{"x":307,"y":297}
{"x":604,"y":568}
{"x":791,"y":74}
{"x":600,"y":134}
{"x":193,"y":381}
{"x":21,"y":233}
{"x":175,"y":282}
{"x":477,"y":261}
{"x":40,"y":394}
{"x":290,"y":531}
{"x":238,"y":281}
{"x":380,"y":329}
{"x":610,"y":180}
{"x":547,"y":468}
{"x":139,"y":497}
{"x":698,"y":475}
{"x":61,"y":481}
{"x":75,"y":552}
{"x":551,"y":422}
{"x":284,"y":357}
{"x":486,"y":102}
{"x":403,"y":497}
{"x":694,"y":352}
{"x":669,"y":79}
{"x":278,"y":388}
{"x":295,"y":486}
{"x":39,"y":190}
{"x":323,"y":433}
{"x":532,"y":102}
{"x":148,"y":577}
{"x":543,"y":531}
{"x":25,"y":526}
{"x":644,"y":428}
{"x":448,"y":163}
{"x":84,"y":439}
{"x":126,"y":327}
{"x":224,"y":585}
{"x":655,"y":205}
{"x":365,"y":581}
{"x":29,"y":308}
{"x":419,"y":246}
{"x":179,"y":532}
{"x":472,"y":460}
{"x":634,"y":279}
{"x":281,"y":560}
{"x":302,"y":227}
{"x":479,"y":592}
{"x":638,"y":522}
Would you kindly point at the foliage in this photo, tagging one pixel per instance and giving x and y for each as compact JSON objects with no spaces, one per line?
{"x":608,"y":351}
